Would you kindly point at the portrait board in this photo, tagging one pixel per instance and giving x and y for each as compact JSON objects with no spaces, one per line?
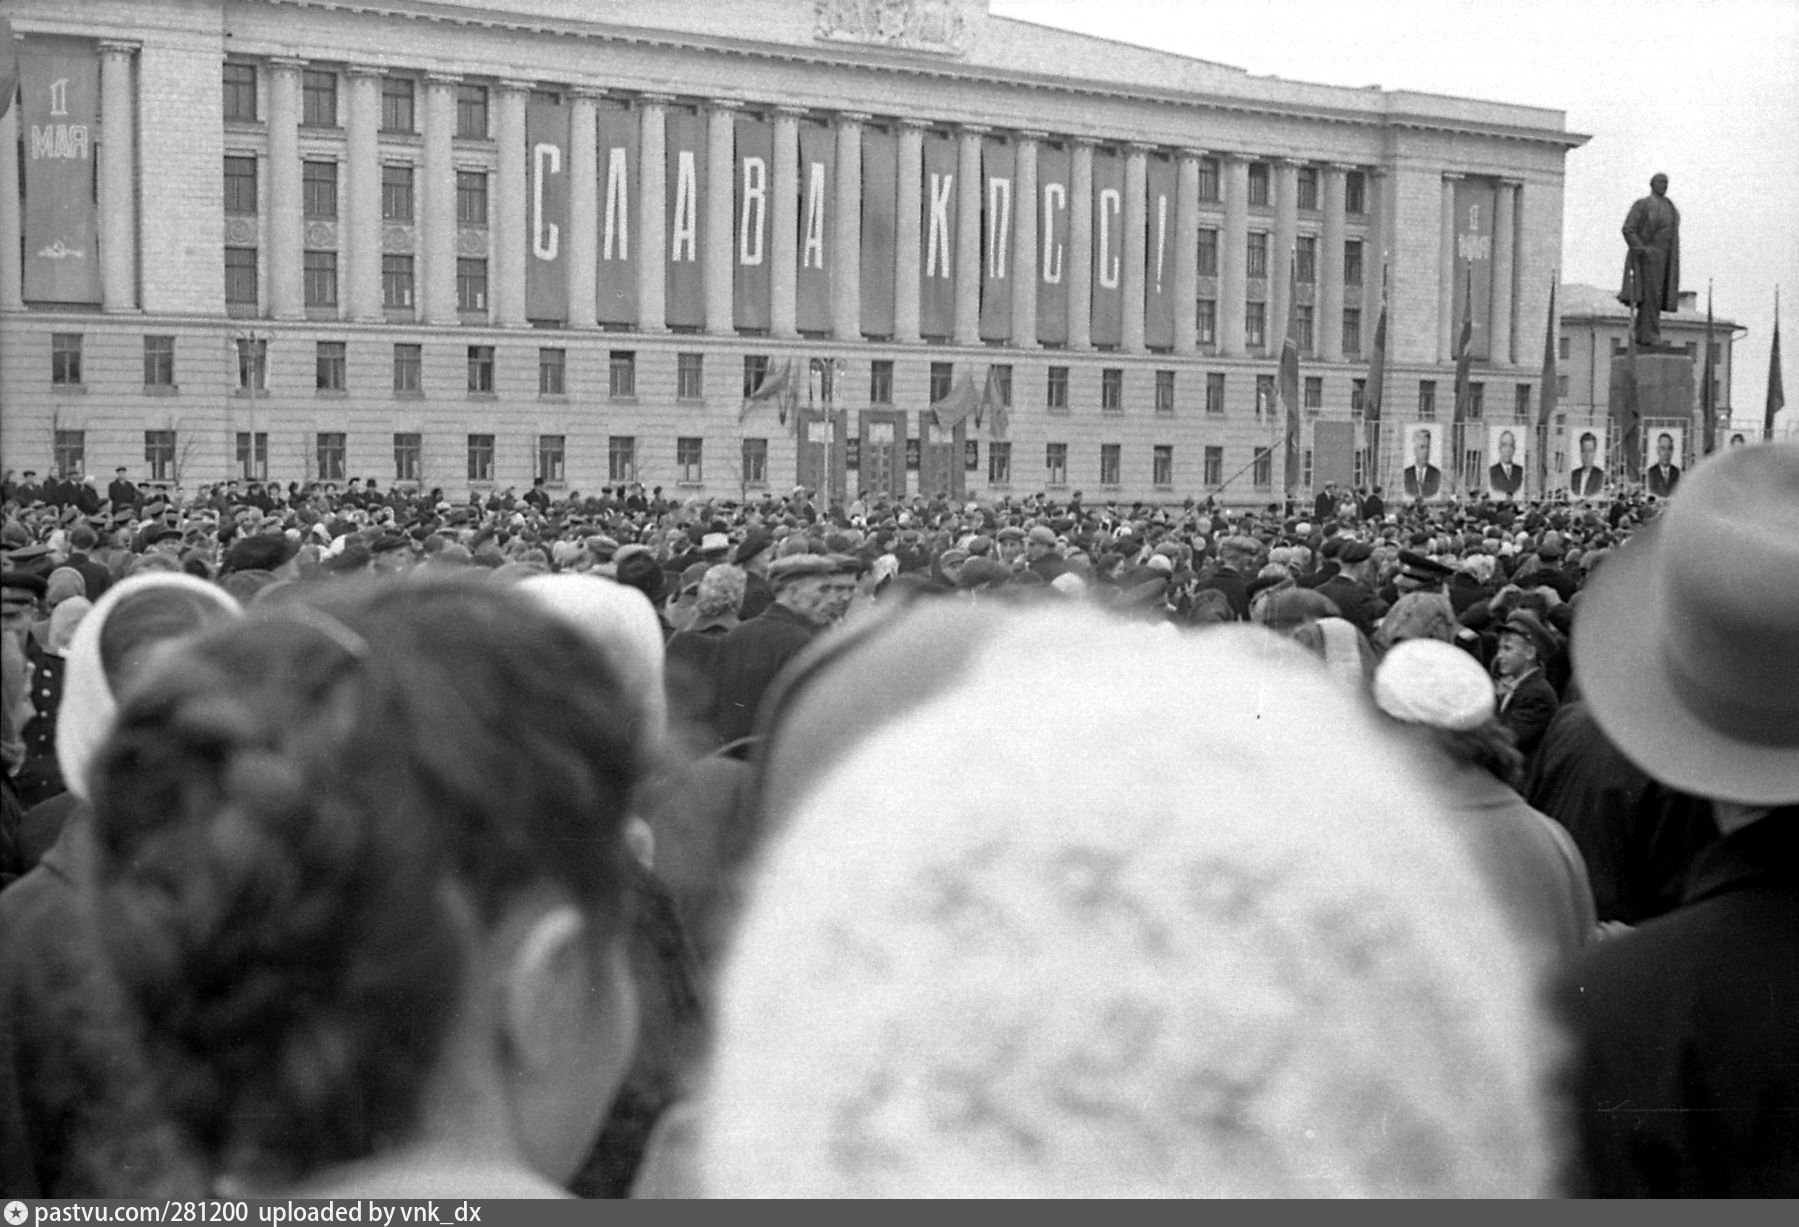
{"x":1421,"y":462}
{"x":1663,"y":445}
{"x":1508,"y":461}
{"x":1586,"y":461}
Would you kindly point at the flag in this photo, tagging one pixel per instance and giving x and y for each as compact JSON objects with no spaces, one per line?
{"x":9,"y":67}
{"x":1708,"y":395}
{"x":993,"y":405}
{"x":1552,"y":390}
{"x":1464,"y":359}
{"x":1289,"y":378}
{"x":1373,"y":390}
{"x":1777,"y":397}
{"x":1629,"y":434}
{"x":777,"y":386}
{"x":957,"y":404}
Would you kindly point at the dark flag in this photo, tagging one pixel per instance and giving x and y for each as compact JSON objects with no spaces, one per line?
{"x":776,"y":385}
{"x":1551,"y":393}
{"x":960,"y":401}
{"x":9,"y":67}
{"x":1374,"y":389}
{"x":1464,"y":360}
{"x":1777,"y":397}
{"x":1289,"y":378}
{"x":1629,"y":432}
{"x":1708,"y":393}
{"x":993,"y":406}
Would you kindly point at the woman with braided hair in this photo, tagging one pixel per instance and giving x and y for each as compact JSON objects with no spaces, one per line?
{"x":366,"y":903}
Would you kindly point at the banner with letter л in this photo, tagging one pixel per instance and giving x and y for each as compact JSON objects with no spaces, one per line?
{"x":619,"y":135}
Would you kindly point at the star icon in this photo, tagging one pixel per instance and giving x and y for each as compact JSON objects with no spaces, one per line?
{"x":16,"y":1213}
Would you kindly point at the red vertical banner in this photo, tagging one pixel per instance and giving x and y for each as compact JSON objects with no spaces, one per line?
{"x":1475,"y":203}
{"x":937,"y":245}
{"x":59,"y":106}
{"x":1108,"y":247}
{"x":546,"y":185}
{"x":1158,"y":255}
{"x":1052,"y":244}
{"x":619,"y":134}
{"x":880,"y":166}
{"x":817,"y":216}
{"x":750,"y":249}
{"x":686,"y":199}
{"x":998,"y":175}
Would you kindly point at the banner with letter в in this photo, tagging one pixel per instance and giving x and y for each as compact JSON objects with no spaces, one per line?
{"x":750,"y":247}
{"x":619,"y":136}
{"x":58,"y":113}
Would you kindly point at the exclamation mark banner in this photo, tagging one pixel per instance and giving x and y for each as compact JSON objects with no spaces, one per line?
{"x":1158,"y":279}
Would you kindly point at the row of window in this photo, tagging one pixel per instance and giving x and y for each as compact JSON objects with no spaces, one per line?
{"x":399,"y":115}
{"x":319,"y":190}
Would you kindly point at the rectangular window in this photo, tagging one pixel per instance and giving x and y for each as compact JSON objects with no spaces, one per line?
{"x":621,"y":459}
{"x":552,"y":367}
{"x":408,"y":456}
{"x":329,"y":364}
{"x":1358,"y":397}
{"x":471,"y":284}
{"x":1352,"y":332}
{"x":480,"y":369}
{"x":321,"y":278}
{"x":943,"y":376}
{"x":1055,"y":459}
{"x":318,"y":190}
{"x":1314,"y":393}
{"x":240,"y":93}
{"x":755,"y":370}
{"x":333,"y":455}
{"x":1208,"y":179}
{"x":1109,"y":463}
{"x":471,"y":112}
{"x":1266,"y":396}
{"x":1352,"y":262}
{"x":1562,"y":348}
{"x":396,"y":281}
{"x":1206,"y":321}
{"x":397,"y":105}
{"x":480,"y":458}
{"x":1258,"y":184}
{"x":1002,"y":382}
{"x":1427,"y":398}
{"x":551,"y":454}
{"x":1305,"y":258}
{"x":690,"y":381}
{"x":1214,"y":466}
{"x":1208,"y":251}
{"x":240,"y":276}
{"x":880,"y":382}
{"x":1255,"y":325}
{"x":1561,"y":385}
{"x":1521,"y":402}
{"x":1262,"y":474}
{"x":396,"y":192}
{"x":1258,"y":253}
{"x":1477,"y":401}
{"x":252,"y":364}
{"x":159,"y":362}
{"x":68,"y":452}
{"x":821,"y":374}
{"x":1111,"y":389}
{"x":1214,"y":393}
{"x":623,"y":373}
{"x":1302,"y":320}
{"x":65,"y":358}
{"x":253,"y":455}
{"x":1355,"y":193}
{"x":755,"y":462}
{"x":240,"y":185}
{"x":318,"y":98}
{"x":409,"y":367}
{"x":999,"y":463}
{"x":471,"y":197}
{"x":1165,"y":392}
{"x":1162,"y":465}
{"x":159,"y":455}
{"x":1056,"y":391}
{"x":1308,"y":188}
{"x":689,"y":456}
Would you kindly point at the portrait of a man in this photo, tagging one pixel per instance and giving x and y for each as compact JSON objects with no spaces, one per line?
{"x":1587,"y":479}
{"x":1663,"y":475}
{"x":1505,"y":476}
{"x":1423,"y":478}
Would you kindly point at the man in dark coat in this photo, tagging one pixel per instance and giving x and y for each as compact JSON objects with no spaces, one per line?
{"x":1348,"y":589}
{"x":811,"y":592}
{"x":1527,"y":701}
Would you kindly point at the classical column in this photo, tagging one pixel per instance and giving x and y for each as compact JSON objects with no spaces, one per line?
{"x":1136,"y":218}
{"x":436,"y":244}
{"x":118,"y":179}
{"x":12,"y":264}
{"x":846,"y":273}
{"x":510,"y":217}
{"x":1280,"y":260}
{"x":1186,"y":252}
{"x":721,"y":197}
{"x":652,"y":214}
{"x":362,"y":195}
{"x":1505,"y":251}
{"x":287,"y":232}
{"x":906,"y":224}
{"x":968,"y":234}
{"x":583,"y":208}
{"x":1080,"y":245}
{"x":784,"y":224}
{"x":1233,"y":254}
{"x":1024,"y":249}
{"x":1446,"y":286}
{"x":1328,"y":299}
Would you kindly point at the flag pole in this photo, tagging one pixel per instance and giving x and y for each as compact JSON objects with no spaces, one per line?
{"x":1776,"y":399}
{"x":1550,"y":392}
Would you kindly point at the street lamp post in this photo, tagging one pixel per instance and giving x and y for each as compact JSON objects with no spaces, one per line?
{"x":251,"y":348}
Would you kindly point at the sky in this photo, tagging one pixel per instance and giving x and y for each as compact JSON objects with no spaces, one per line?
{"x":1704,"y":90}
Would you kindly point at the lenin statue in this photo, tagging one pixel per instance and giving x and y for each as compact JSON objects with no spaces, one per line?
{"x":1652,"y":269}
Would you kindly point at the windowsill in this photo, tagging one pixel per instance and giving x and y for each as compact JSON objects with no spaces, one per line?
{"x":622,"y":400}
{"x":321,"y":129}
{"x":242,"y":310}
{"x":397,"y":315}
{"x":689,"y":485}
{"x":331,"y":393}
{"x":477,"y":319}
{"x":1056,"y":413}
{"x":248,"y":393}
{"x":68,"y":389}
{"x":323,"y":315}
{"x":552,"y":398}
{"x":402,"y":135}
{"x":483,"y":396}
{"x":237,"y":123}
{"x":1112,"y":413}
{"x":1164,"y":413}
{"x":408,"y":394}
{"x":696,"y":402}
{"x":162,"y":389}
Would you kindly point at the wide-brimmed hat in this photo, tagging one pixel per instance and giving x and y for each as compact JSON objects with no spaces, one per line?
{"x":1687,"y":640}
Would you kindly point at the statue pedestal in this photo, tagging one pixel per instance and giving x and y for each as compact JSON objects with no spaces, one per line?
{"x":1665,"y":399}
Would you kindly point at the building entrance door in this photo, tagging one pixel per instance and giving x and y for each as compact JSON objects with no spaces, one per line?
{"x":880,"y":456}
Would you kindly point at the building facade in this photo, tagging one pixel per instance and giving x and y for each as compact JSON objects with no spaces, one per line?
{"x":466,"y":243}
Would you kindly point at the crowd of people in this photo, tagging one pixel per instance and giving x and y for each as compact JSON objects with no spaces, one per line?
{"x":364,"y":842}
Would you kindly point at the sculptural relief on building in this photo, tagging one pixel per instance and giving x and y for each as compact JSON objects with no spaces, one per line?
{"x":913,"y":25}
